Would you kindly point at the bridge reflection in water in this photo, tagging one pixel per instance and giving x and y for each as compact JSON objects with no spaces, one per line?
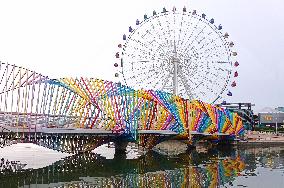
{"x":151,"y":170}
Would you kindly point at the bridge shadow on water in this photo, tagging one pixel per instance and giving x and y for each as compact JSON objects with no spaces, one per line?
{"x":214,"y":168}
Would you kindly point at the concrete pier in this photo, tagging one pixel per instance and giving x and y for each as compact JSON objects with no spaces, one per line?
{"x":120,"y":149}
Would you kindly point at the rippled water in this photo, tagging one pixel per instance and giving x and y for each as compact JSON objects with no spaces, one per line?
{"x":28,"y":165}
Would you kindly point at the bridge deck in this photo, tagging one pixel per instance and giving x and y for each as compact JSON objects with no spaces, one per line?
{"x":82,"y":131}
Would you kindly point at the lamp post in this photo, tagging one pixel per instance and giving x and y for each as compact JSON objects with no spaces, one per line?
{"x":282,"y":124}
{"x":276,"y":124}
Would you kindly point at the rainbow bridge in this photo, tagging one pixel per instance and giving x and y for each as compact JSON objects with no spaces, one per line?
{"x":79,"y":114}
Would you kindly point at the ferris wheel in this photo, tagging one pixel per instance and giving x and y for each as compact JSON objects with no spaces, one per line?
{"x":179,"y":52}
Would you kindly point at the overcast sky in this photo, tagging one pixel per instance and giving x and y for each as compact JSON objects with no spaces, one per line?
{"x":79,"y":38}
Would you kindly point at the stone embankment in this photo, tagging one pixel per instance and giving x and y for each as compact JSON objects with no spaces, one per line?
{"x":255,"y":136}
{"x":262,"y":138}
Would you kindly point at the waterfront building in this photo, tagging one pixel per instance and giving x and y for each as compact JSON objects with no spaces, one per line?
{"x":269,"y":117}
{"x":281,"y":108}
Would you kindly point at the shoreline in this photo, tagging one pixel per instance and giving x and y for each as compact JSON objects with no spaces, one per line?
{"x":261,"y":138}
{"x":262,"y":143}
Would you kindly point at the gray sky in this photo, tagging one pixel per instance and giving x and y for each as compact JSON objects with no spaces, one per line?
{"x":79,"y":38}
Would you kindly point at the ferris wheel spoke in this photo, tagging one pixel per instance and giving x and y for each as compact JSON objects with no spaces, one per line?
{"x":186,"y":86}
{"x":198,"y":85}
{"x":145,"y":46}
{"x":152,"y":80}
{"x":217,"y":74}
{"x":206,"y":53}
{"x":181,"y":24}
{"x":204,"y":78}
{"x":193,"y":29}
{"x":166,"y":80}
{"x":159,"y":37}
{"x":202,"y":42}
{"x":214,"y":55}
{"x":146,"y":68}
{"x":207,"y":47}
{"x":212,"y":90}
{"x":210,"y":52}
{"x":210,"y":42}
{"x":194,"y":39}
{"x":157,"y":80}
{"x":142,"y":49}
{"x":146,"y":72}
{"x":162,"y":30}
{"x":219,"y":69}
{"x":180,"y":31}
{"x":209,"y":73}
{"x":187,"y":36}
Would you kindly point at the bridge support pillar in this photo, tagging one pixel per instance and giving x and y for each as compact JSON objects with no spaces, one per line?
{"x":190,"y":147}
{"x":120,"y":149}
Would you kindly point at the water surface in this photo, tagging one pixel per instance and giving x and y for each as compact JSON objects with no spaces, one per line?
{"x":33,"y":166}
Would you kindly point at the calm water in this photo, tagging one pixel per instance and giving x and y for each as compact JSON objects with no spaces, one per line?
{"x":28,"y":166}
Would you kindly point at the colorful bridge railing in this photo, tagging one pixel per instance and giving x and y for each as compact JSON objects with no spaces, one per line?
{"x":31,"y":100}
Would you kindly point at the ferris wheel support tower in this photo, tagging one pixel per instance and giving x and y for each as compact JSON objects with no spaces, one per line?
{"x":175,"y":62}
